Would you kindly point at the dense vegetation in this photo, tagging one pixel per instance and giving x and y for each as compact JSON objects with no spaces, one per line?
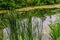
{"x":55,"y":28}
{"x":13,"y":18}
{"x":12,"y":4}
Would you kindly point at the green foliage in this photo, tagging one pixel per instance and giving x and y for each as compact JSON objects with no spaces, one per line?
{"x":13,"y":18}
{"x":22,"y":15}
{"x":55,"y":29}
{"x":12,"y":4}
{"x":3,"y":21}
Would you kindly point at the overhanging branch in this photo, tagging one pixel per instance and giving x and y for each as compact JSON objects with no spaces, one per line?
{"x":32,"y":8}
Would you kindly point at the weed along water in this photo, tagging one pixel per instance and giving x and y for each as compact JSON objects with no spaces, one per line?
{"x":36,"y":29}
{"x":29,"y":19}
{"x":28,"y":25}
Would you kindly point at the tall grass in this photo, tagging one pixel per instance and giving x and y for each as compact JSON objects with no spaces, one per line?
{"x":19,"y":29}
{"x":55,"y":30}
